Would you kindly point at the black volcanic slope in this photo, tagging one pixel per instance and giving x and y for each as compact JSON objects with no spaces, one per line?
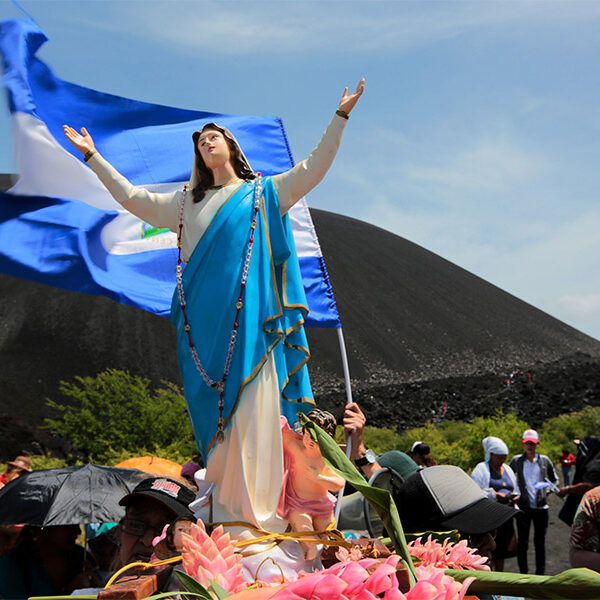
{"x":406,"y":309}
{"x":417,"y":328}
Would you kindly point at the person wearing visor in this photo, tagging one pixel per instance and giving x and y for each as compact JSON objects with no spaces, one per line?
{"x":239,"y":306}
{"x":535,"y":474}
{"x":444,"y":497}
{"x":154,"y":503}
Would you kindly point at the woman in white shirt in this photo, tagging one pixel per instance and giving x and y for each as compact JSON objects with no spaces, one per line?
{"x":500,"y":483}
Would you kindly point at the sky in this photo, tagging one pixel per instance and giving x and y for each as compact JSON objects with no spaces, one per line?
{"x":477,"y":137}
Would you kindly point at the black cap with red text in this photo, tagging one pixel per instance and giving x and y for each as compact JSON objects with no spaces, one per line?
{"x":172,"y":494}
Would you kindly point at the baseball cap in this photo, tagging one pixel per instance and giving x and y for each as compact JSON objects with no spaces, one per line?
{"x":445,"y":497}
{"x":172,"y":494}
{"x":531,"y":435}
{"x":403,"y":464}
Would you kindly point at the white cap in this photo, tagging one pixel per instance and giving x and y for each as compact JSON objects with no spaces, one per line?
{"x":531,"y":435}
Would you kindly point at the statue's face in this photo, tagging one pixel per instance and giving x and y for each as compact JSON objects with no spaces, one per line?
{"x":213,"y":148}
{"x":312,"y":448}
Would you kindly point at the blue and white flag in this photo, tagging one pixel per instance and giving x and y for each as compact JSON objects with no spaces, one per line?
{"x":59,"y":225}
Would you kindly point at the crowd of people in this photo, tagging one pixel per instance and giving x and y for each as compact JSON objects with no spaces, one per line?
{"x":519,"y":490}
{"x":494,"y":509}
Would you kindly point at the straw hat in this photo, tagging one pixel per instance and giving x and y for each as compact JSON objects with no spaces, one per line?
{"x":21,"y":462}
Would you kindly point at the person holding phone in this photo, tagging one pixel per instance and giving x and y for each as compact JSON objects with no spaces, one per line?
{"x":499,"y":482}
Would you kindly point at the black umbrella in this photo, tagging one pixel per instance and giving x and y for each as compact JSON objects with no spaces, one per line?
{"x":67,"y":495}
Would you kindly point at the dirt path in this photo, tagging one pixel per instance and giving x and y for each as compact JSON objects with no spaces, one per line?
{"x":557,"y":544}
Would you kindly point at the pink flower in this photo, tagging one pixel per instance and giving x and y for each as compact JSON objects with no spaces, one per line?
{"x":212,"y":558}
{"x":432,"y":584}
{"x":349,"y":580}
{"x":313,"y":586}
{"x":447,"y":555}
{"x":344,"y":555}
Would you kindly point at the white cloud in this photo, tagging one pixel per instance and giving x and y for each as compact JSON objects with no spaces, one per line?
{"x":578,"y":305}
{"x":238,"y":28}
{"x":490,"y":163}
{"x":483,"y":175}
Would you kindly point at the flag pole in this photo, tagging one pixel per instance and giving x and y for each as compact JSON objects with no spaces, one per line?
{"x":346,"y":369}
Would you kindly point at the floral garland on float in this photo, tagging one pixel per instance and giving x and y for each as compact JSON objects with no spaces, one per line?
{"x":434,"y":566}
{"x":213,"y":570}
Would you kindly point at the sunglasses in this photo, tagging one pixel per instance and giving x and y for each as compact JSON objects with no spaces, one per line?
{"x":138,"y":528}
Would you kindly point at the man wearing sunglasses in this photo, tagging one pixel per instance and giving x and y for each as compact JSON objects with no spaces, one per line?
{"x":154,"y":503}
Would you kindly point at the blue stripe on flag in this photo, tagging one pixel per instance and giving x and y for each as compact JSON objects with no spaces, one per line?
{"x":57,"y":242}
{"x":323,"y":309}
{"x":148,"y":143}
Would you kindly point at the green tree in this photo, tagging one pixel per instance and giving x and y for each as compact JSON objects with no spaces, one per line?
{"x":116,"y":412}
{"x":559,"y":432}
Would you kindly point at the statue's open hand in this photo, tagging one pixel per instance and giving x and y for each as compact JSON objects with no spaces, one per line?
{"x":82,"y":141}
{"x":347,"y":103}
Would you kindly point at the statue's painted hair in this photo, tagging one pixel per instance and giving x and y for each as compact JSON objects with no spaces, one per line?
{"x":324,"y":419}
{"x":202,"y":177}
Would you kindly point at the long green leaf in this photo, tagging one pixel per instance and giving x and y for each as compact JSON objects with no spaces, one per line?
{"x":380,"y":500}
{"x":439,"y":536}
{"x":191,"y":585}
{"x":573,"y":583}
{"x":218,"y":590}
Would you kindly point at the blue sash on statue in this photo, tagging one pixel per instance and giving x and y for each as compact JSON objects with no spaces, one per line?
{"x":271,"y":319}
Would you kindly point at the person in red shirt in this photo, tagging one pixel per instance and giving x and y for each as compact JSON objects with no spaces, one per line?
{"x":567,"y":460}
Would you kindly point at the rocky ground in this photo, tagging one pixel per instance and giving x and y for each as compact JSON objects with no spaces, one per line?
{"x":535,"y":394}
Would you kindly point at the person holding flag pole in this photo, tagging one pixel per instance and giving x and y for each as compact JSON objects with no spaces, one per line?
{"x":239,"y":306}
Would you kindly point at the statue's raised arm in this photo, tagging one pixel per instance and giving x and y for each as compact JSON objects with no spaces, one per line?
{"x":159,"y":210}
{"x":348,"y":102}
{"x":307,"y":174}
{"x":82,"y":141}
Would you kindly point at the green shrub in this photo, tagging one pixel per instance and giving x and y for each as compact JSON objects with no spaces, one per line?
{"x":43,"y":461}
{"x":116,"y":412}
{"x":381,"y":439}
{"x":378,"y":439}
{"x":459,"y":443}
{"x":559,"y":432}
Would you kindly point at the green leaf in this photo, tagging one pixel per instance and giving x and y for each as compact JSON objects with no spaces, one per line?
{"x":218,"y":590}
{"x":573,"y":583}
{"x":380,"y":500}
{"x":191,"y":585}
